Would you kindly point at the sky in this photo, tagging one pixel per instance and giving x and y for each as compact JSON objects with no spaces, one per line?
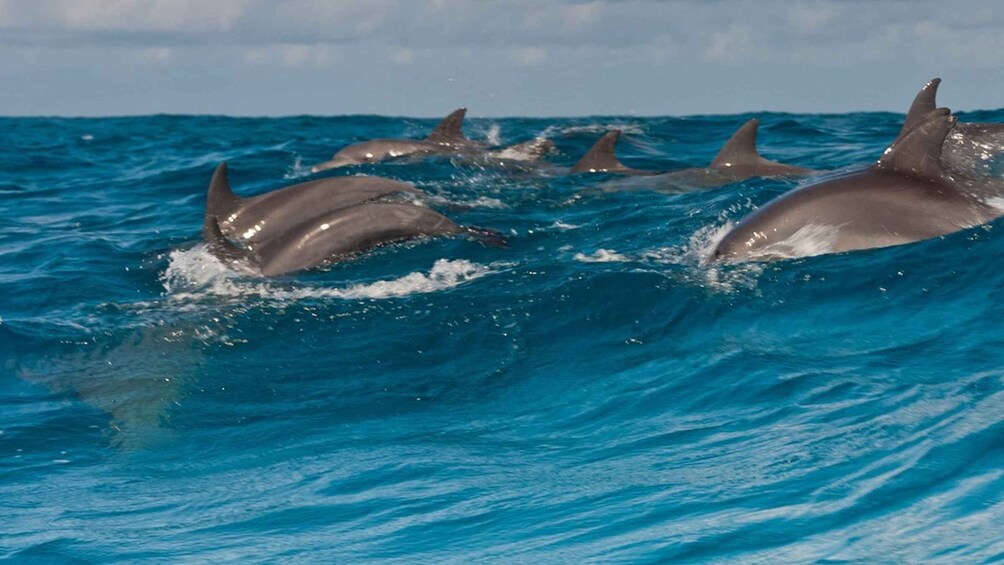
{"x":497,"y":57}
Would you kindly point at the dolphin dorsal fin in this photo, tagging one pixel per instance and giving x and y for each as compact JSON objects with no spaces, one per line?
{"x":918,"y":151}
{"x":601,"y":157}
{"x":922,"y":105}
{"x":740,"y":149}
{"x":449,"y":130}
{"x":221,"y":200}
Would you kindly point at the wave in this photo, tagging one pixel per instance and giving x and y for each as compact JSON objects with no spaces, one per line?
{"x":416,"y":405}
{"x":195,"y":274}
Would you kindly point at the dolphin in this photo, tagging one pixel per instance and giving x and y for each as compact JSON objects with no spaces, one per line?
{"x":265,"y":216}
{"x":447,"y":139}
{"x":737,"y":160}
{"x":310,"y":224}
{"x":334,"y":236}
{"x":925,"y":102}
{"x":904,"y":197}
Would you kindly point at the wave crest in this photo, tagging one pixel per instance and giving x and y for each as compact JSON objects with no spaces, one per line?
{"x":193,"y":274}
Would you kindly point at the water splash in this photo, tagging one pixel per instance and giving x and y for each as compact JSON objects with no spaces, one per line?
{"x":601,"y":256}
{"x":195,"y":275}
{"x":591,"y":129}
{"x":494,"y":135}
{"x":297,"y":170}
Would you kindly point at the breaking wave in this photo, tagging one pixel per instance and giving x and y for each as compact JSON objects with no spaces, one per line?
{"x":195,"y":274}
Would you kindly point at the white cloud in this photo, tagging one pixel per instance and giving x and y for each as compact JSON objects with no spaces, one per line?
{"x":576,"y":16}
{"x":402,"y":55}
{"x":722,"y":31}
{"x":124,"y":15}
{"x":731,"y":45}
{"x":292,"y":56}
{"x":256,"y":57}
{"x":587,"y":47}
{"x":158,"y":54}
{"x":529,"y":56}
{"x":811,"y":17}
{"x":972,"y":47}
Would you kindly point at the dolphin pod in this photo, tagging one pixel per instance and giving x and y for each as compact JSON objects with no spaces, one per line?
{"x":905,"y":196}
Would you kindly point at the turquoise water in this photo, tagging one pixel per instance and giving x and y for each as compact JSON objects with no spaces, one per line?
{"x":590,"y":393}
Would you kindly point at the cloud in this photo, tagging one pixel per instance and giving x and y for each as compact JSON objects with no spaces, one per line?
{"x":137,"y":16}
{"x":293,"y":56}
{"x":731,"y":45}
{"x":813,"y":17}
{"x":158,"y":54}
{"x":591,"y":52}
{"x":720,"y":30}
{"x":529,"y":56}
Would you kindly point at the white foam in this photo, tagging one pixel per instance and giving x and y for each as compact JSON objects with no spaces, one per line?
{"x":563,"y":226}
{"x":479,"y":202}
{"x":529,"y":151}
{"x":514,"y":153}
{"x":494,"y":135}
{"x":484,"y":202}
{"x":807,"y":241}
{"x":551,"y":131}
{"x":297,"y":169}
{"x":445,"y":273}
{"x":195,"y":274}
{"x":692,"y":256}
{"x":601,"y":256}
{"x":699,"y":246}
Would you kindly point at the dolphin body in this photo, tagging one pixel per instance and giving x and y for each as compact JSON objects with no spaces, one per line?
{"x":268,"y":215}
{"x":447,"y":139}
{"x":315,"y":223}
{"x":333,"y":236}
{"x":737,"y":160}
{"x":906,"y":196}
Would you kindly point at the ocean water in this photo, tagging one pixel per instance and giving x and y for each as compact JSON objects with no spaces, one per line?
{"x":591,"y":393}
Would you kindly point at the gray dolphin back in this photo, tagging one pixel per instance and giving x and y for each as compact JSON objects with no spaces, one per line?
{"x":739,"y":158}
{"x":602,"y":156}
{"x":272,"y":213}
{"x":261,"y":217}
{"x":740,"y":149}
{"x":450,"y":129}
{"x":348,"y":231}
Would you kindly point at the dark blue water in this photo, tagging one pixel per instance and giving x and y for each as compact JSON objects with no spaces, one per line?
{"x":589,"y":393}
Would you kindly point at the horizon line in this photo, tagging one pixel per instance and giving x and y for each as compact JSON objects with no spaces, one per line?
{"x":469,"y":117}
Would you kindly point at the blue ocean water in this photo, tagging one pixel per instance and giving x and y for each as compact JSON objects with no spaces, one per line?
{"x":591,"y":393}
